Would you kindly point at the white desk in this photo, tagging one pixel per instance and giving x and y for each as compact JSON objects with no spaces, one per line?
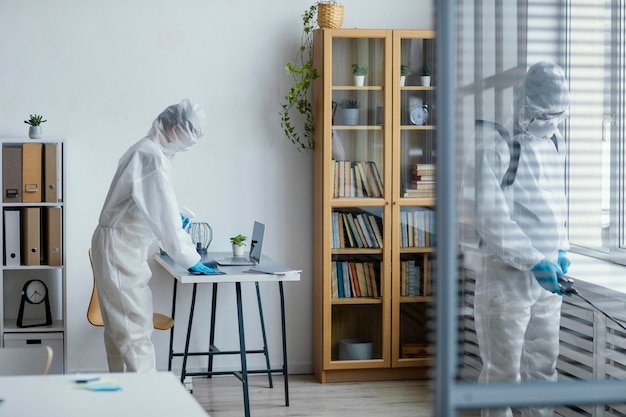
{"x":234,"y":275}
{"x":152,"y":394}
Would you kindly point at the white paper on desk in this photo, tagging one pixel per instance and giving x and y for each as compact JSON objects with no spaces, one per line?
{"x":275,"y":270}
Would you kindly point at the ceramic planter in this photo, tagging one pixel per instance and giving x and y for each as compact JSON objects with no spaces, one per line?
{"x":35,"y":132}
{"x":238,"y":249}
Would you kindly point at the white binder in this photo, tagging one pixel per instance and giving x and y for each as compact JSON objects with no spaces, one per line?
{"x":12,"y":237}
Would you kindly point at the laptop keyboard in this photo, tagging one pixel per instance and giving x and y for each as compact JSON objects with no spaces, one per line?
{"x":238,"y":260}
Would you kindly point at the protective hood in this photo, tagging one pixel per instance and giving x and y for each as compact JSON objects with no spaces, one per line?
{"x":178,"y":127}
{"x":542,"y":96}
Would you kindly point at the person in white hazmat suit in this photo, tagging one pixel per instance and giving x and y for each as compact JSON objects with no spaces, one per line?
{"x":141,"y":207}
{"x":522,"y":239}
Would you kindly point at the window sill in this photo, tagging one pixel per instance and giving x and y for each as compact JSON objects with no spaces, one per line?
{"x":607,"y":276}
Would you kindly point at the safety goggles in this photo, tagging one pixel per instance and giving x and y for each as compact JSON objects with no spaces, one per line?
{"x":554,"y":116}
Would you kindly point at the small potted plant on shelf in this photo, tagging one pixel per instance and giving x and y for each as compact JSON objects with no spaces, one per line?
{"x":425,"y":75}
{"x":238,"y":244}
{"x":35,"y":121}
{"x":359,"y":73}
{"x":404,"y":72}
{"x":350,"y":111}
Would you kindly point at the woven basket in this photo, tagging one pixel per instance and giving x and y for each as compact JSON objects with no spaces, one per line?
{"x":329,"y":15}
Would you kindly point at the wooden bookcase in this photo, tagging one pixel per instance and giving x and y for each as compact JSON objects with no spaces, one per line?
{"x":383,"y":332}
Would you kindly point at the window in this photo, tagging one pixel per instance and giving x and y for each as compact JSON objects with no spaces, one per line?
{"x":591,"y":55}
{"x":496,"y":40}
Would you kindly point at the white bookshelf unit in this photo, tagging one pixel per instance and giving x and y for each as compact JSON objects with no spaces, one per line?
{"x":33,"y":245}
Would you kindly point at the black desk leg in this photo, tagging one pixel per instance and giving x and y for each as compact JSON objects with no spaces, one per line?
{"x":284,"y":331}
{"x":242,"y":348}
{"x":265,"y":351}
{"x":212,"y":330}
{"x":171,"y":353}
{"x":183,"y":371}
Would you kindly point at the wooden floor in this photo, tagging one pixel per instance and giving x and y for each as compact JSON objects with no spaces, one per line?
{"x":223,"y":397}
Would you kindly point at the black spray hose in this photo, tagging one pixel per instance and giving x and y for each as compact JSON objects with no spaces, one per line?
{"x":567,"y":287}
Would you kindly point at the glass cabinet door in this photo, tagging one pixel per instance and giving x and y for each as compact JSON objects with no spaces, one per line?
{"x":357,"y":280}
{"x":359,"y":80}
{"x":415,"y":120}
{"x":361,"y":139}
{"x":414,"y":189}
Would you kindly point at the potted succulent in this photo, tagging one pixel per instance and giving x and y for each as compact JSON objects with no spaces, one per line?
{"x":35,"y":121}
{"x":350,"y":111}
{"x":238,"y":244}
{"x":404,"y":72}
{"x":425,"y":75}
{"x":359,"y":73}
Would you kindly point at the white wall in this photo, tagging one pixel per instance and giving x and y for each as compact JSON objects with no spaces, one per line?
{"x":100,"y":72}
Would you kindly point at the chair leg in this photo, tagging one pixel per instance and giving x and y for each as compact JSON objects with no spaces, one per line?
{"x":265,"y":351}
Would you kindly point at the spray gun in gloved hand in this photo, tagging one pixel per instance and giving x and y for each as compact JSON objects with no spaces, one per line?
{"x":567,"y":288}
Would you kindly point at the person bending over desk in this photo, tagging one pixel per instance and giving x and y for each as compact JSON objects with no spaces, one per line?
{"x":141,"y":207}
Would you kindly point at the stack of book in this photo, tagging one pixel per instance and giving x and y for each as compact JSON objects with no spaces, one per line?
{"x":417,"y":228}
{"x":356,"y":179}
{"x":410,"y":279}
{"x":423,"y":183}
{"x":354,"y":279}
{"x":356,"y":230}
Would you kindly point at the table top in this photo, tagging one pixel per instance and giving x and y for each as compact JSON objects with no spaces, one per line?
{"x":156,"y":394}
{"x":232,"y":273}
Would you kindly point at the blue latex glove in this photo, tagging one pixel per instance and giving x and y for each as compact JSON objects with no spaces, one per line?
{"x":547,"y":275}
{"x":563,"y":261}
{"x":202,"y":269}
{"x":186,"y":221}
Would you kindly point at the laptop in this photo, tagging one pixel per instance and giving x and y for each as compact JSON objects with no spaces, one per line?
{"x":256,"y":243}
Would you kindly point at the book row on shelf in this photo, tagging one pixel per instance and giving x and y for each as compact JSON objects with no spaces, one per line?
{"x":417,"y":228}
{"x":410,"y":278}
{"x":354,"y":279}
{"x":356,"y":230}
{"x":423,"y":183}
{"x":31,"y":173}
{"x":356,"y":179}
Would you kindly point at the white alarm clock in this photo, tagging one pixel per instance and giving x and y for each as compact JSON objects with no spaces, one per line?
{"x":419,"y":115}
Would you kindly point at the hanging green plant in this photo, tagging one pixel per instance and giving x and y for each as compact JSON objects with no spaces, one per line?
{"x":297,"y":99}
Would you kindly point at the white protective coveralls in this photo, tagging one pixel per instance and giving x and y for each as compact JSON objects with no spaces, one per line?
{"x":141,"y":207}
{"x":517,"y":320}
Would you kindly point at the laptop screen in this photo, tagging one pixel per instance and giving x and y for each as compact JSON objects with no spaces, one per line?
{"x":256,"y":243}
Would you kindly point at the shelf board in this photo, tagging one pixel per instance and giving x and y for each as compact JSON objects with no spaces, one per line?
{"x":421,"y":249}
{"x":416,"y":299}
{"x":356,"y":300}
{"x":416,"y":127}
{"x":10,"y":326}
{"x":38,"y":204}
{"x":359,"y":127}
{"x":417,"y":87}
{"x":355,"y":88}
{"x":417,"y":201}
{"x":29,"y":267}
{"x":357,"y":202}
{"x":357,"y":251}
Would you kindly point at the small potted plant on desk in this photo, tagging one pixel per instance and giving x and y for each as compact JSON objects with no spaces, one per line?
{"x":359,"y":73}
{"x":238,"y":244}
{"x":35,"y":121}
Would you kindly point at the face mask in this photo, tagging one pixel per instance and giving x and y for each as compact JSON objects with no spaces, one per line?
{"x":179,"y":142}
{"x":543,"y":128}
